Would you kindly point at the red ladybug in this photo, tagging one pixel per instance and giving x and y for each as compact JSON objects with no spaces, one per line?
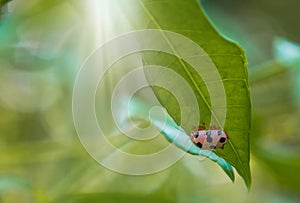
{"x":209,"y":139}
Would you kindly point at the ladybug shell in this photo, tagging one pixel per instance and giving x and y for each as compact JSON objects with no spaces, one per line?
{"x":209,"y":139}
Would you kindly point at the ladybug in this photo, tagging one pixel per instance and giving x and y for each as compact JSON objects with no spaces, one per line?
{"x":209,"y":139}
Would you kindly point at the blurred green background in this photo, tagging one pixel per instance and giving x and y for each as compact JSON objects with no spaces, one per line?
{"x":42,"y":45}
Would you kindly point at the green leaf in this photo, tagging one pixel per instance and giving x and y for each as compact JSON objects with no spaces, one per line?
{"x":187,"y":19}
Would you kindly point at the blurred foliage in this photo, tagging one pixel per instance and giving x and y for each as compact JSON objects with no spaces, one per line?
{"x":254,"y":24}
{"x":281,"y":148}
{"x":43,"y":43}
{"x":3,"y":2}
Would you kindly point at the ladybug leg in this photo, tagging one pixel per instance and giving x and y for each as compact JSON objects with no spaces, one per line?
{"x":195,"y":129}
{"x":192,"y":137}
{"x":226,"y":134}
{"x":201,"y":127}
{"x":213,"y":127}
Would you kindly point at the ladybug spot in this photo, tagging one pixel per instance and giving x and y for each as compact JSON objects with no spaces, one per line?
{"x":199,"y":145}
{"x":209,"y":139}
{"x":196,"y":134}
{"x":212,"y":147}
{"x":223,"y":139}
{"x":208,"y":133}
